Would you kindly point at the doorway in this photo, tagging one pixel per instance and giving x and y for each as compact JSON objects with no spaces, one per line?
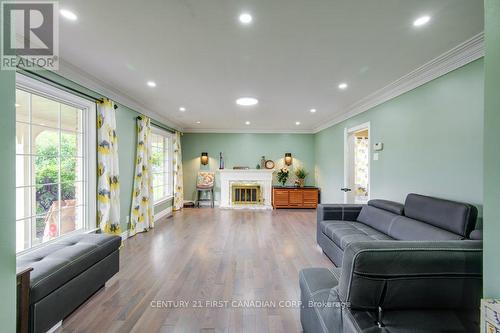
{"x":357,"y":152}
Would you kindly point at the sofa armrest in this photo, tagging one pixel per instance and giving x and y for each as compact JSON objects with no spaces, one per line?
{"x":412,"y":275}
{"x":339,"y":212}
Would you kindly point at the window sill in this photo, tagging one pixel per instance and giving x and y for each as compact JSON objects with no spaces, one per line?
{"x":162,"y":201}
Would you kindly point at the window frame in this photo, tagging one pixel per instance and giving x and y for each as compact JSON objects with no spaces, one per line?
{"x":89,"y":149}
{"x":166,"y":134}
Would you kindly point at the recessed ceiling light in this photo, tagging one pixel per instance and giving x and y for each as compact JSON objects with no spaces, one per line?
{"x":151,"y":84}
{"x":297,"y":123}
{"x":198,"y":122}
{"x":68,"y":14}
{"x":421,"y":21}
{"x":247,"y":123}
{"x":18,"y":105}
{"x":312,"y":110}
{"x":247,"y":101}
{"x":245,"y":18}
{"x":182,"y":109}
{"x":343,"y":86}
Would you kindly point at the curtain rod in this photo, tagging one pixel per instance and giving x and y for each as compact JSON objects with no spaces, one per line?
{"x":157,"y":124}
{"x":60,"y":85}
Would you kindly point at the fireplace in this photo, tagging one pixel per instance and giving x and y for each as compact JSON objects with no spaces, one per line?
{"x":246,"y":189}
{"x":246,"y":194}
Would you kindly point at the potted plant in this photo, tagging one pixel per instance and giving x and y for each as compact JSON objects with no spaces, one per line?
{"x":301,"y":175}
{"x":283,"y":176}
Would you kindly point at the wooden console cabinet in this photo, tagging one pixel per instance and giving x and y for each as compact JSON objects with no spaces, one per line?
{"x":295,"y":197}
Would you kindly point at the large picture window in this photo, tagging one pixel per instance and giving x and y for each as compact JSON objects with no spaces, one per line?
{"x":55,"y":147}
{"x":162,"y":165}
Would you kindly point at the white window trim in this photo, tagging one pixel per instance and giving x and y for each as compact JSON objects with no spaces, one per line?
{"x":89,"y":147}
{"x":170,"y":136}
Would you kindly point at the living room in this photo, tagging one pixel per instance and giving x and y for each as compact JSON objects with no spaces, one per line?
{"x":274,"y":166}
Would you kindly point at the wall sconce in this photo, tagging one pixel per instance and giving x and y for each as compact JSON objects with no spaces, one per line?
{"x":288,"y":159}
{"x":204,"y":158}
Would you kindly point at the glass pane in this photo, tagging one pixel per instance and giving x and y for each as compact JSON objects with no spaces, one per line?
{"x":71,"y":194}
{"x":23,"y":202}
{"x":44,"y":228}
{"x":71,"y":144}
{"x":47,"y":199}
{"x":158,"y":179}
{"x":23,"y":234}
{"x":158,"y":193}
{"x":157,"y":160}
{"x":22,"y":138}
{"x":44,"y":111}
{"x":71,"y":169}
{"x":23,"y":174}
{"x":71,"y":118}
{"x":46,"y":169}
{"x":45,"y":141}
{"x":71,"y":219}
{"x":22,"y":105}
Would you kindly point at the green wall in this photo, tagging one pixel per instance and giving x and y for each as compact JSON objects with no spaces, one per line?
{"x":7,"y":202}
{"x":243,"y":150}
{"x":492,"y":151}
{"x":432,"y":139}
{"x":126,"y":131}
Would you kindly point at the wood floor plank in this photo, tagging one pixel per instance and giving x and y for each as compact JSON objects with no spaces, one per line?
{"x":215,"y":260}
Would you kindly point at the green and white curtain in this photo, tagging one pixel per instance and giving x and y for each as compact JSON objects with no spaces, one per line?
{"x":141,"y":216}
{"x":178,"y":183}
{"x":108,"y":174}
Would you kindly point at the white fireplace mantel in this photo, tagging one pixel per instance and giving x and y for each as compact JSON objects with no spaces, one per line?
{"x":264,"y":177}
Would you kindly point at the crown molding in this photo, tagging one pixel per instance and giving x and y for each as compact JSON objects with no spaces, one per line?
{"x":455,"y":58}
{"x":246,"y":131}
{"x":77,"y":75}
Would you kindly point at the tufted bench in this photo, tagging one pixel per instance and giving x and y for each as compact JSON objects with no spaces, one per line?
{"x":66,"y":273}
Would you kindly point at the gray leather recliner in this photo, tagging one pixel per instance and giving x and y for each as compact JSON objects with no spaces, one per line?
{"x":397,"y":287}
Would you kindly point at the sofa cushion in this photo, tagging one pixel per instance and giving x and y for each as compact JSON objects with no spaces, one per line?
{"x":379,"y":219}
{"x":57,"y":263}
{"x":459,"y":218}
{"x":407,"y":229}
{"x":343,"y":233}
{"x":390,"y":206}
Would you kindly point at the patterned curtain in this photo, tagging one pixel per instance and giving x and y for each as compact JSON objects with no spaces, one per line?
{"x":141,"y":216}
{"x":178,"y":183}
{"x":108,"y":175}
{"x":361,"y":159}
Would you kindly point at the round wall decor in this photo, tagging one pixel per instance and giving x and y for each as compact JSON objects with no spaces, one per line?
{"x":269,"y":164}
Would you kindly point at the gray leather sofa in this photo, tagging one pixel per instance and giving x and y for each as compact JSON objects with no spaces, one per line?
{"x":66,"y":273}
{"x":397,"y":287}
{"x":421,"y":218}
{"x":410,"y":268}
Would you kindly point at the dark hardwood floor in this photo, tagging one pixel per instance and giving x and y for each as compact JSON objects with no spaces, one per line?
{"x":208,"y":255}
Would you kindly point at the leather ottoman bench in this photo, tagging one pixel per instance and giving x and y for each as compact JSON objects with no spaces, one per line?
{"x":66,"y":273}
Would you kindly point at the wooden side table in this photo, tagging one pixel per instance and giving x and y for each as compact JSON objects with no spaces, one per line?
{"x":295,"y":197}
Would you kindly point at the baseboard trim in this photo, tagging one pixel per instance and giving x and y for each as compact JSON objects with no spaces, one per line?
{"x":165,"y":213}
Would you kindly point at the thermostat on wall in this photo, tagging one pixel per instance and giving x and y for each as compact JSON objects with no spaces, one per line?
{"x":378,"y":146}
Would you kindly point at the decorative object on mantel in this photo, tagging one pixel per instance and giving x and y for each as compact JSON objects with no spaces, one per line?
{"x":221,"y":161}
{"x":204,"y":158}
{"x":263,"y":162}
{"x":301,"y":175}
{"x":288,"y":159}
{"x":241,"y":168}
{"x":269,"y":164}
{"x":257,"y":167}
{"x":283,"y":176}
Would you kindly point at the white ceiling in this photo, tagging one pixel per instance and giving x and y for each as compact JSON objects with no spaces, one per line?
{"x":291,"y":58}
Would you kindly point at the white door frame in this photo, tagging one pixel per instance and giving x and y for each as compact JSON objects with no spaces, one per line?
{"x":348,"y":131}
